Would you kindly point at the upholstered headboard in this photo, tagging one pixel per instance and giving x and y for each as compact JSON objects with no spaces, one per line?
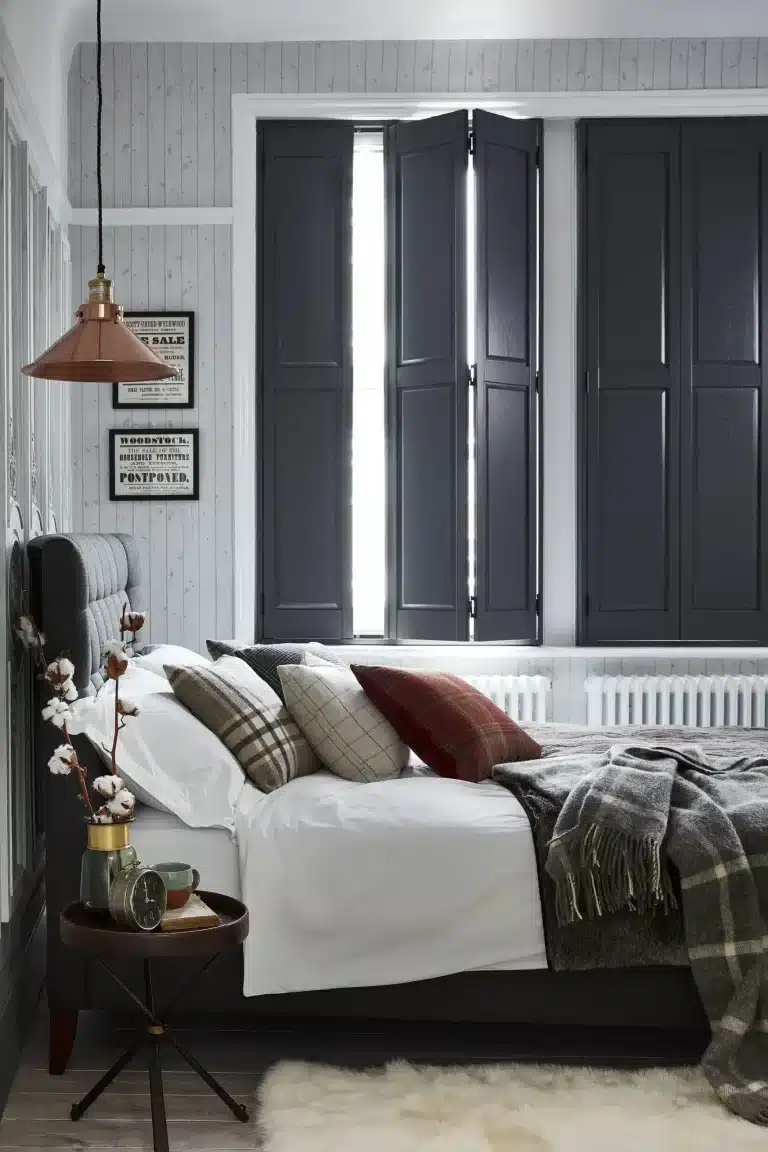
{"x":79,"y":585}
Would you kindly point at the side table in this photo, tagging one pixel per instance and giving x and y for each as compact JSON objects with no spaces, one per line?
{"x":96,"y":934}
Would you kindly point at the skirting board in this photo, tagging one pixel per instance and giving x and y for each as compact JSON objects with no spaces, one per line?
{"x":22,"y":986}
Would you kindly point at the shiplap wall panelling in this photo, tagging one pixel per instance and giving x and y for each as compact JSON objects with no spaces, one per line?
{"x":167,"y":107}
{"x":185,"y":546}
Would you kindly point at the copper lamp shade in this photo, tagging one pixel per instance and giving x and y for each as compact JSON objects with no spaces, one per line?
{"x":99,"y":348}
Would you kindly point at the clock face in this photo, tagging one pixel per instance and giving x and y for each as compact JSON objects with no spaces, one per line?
{"x":148,"y":900}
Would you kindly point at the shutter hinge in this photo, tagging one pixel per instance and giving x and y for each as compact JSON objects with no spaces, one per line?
{"x":586,"y":383}
{"x":586,"y":605}
{"x":472,"y":375}
{"x":538,"y":603}
{"x":538,"y":156}
{"x":538,"y":380}
{"x":472,"y":607}
{"x":471,"y":141}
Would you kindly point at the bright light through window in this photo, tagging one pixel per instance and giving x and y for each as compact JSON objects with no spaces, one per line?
{"x":369,"y":365}
{"x":471,"y":444}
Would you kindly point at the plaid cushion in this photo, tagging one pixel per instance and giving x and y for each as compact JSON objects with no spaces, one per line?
{"x":342,"y":724}
{"x":455,"y":730}
{"x":258,"y":731}
{"x":265,"y":659}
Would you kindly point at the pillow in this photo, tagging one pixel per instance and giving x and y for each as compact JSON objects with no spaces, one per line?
{"x":168,"y":759}
{"x":248,"y":717}
{"x":455,"y":730}
{"x":265,"y":659}
{"x":344,"y":727}
{"x":155,"y":658}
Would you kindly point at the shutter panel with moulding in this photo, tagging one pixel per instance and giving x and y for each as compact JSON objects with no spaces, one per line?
{"x":427,"y":390}
{"x":724,"y":422}
{"x":306,"y":367}
{"x":507,"y":194}
{"x":631,"y":432}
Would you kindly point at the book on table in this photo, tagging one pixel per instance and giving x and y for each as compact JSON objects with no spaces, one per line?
{"x":194,"y":914}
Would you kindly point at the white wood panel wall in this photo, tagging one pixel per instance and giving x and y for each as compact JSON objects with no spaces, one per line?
{"x":167,"y":143}
{"x":185,"y":546}
{"x":167,"y":107}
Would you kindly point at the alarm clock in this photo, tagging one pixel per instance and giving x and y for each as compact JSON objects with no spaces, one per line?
{"x":137,"y":898}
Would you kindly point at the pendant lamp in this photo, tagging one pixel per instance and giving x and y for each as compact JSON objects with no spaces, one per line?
{"x":99,"y":348}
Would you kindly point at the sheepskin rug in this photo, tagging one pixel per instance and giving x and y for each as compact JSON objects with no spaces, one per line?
{"x":499,"y":1108}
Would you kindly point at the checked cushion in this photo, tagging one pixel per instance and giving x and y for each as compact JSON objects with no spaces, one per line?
{"x":248,"y":717}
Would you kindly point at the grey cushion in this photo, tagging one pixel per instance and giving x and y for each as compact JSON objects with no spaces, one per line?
{"x":265,"y":659}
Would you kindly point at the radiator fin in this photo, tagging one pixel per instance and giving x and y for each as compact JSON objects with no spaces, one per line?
{"x":524,"y":698}
{"x":683,"y":701}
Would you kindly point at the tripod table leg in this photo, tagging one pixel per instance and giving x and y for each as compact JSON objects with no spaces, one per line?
{"x":238,"y":1110}
{"x":78,"y":1109}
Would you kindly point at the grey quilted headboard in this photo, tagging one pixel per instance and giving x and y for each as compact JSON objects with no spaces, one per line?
{"x":78,"y":587}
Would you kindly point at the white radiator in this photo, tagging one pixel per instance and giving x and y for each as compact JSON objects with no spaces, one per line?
{"x":690,"y":701}
{"x":521,"y":697}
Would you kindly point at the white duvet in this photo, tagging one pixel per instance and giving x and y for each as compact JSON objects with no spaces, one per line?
{"x":362,"y":884}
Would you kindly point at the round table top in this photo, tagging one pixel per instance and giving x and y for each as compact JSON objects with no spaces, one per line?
{"x":95,"y":932}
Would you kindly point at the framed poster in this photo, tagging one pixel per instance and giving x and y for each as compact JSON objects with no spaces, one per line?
{"x":172,"y":336}
{"x":153,"y":464}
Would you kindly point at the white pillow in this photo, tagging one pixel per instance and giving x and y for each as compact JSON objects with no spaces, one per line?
{"x":163,"y":654}
{"x":168,"y":759}
{"x":346,"y":730}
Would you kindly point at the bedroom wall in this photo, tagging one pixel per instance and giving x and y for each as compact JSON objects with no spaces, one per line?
{"x":35,"y":496}
{"x":167,"y":145}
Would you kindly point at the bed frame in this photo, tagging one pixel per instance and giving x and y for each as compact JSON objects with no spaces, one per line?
{"x":78,"y":586}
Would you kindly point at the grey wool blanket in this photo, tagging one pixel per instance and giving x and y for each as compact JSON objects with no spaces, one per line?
{"x":624,"y":819}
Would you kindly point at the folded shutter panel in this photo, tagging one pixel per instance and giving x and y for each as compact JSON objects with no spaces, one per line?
{"x":631,"y":221}
{"x":506,"y":409}
{"x":306,"y":394}
{"x":427,"y":392}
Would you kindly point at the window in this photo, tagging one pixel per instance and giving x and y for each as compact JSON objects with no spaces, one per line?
{"x":398,"y":410}
{"x":369,"y":524}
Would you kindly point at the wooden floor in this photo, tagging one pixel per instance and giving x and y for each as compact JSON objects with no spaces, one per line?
{"x":37,"y":1113}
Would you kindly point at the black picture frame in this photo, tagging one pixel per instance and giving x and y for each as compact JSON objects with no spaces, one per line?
{"x":189,"y":401}
{"x":131,"y":494}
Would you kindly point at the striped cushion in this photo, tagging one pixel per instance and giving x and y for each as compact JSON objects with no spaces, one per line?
{"x":266,"y":659}
{"x":256,"y":727}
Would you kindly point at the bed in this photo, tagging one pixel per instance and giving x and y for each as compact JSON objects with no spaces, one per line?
{"x":78,"y":585}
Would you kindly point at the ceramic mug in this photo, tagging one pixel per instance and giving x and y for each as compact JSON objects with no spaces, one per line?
{"x":180,"y":881}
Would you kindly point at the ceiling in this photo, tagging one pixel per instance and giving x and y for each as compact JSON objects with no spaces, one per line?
{"x":249,"y":20}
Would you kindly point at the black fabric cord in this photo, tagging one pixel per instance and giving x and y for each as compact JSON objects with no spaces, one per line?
{"x":98,"y":134}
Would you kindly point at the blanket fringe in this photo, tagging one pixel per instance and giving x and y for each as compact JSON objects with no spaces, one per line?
{"x":606,"y":870}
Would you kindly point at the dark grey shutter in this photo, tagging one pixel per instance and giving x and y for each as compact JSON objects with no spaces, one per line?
{"x":306,"y":374}
{"x":427,"y":393}
{"x":506,"y":406}
{"x":725,"y":528}
{"x":631,"y":218}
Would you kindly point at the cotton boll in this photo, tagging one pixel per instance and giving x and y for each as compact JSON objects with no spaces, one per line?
{"x":57,"y":711}
{"x":108,"y":786}
{"x":122,"y":804}
{"x":69,"y":692}
{"x":63,"y":760}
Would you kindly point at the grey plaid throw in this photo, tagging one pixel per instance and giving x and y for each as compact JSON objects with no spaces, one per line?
{"x":614,"y":833}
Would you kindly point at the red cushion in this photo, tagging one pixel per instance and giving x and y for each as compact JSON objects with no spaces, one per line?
{"x":455,"y":730}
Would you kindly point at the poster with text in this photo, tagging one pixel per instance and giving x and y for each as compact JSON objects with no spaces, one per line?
{"x":147,"y":464}
{"x":172,"y":336}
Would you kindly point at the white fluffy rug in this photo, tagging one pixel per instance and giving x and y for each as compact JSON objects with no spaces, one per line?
{"x":499,"y":1108}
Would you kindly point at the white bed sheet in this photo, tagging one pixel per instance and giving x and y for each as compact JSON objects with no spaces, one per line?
{"x":160,"y":836}
{"x":354,"y":885}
